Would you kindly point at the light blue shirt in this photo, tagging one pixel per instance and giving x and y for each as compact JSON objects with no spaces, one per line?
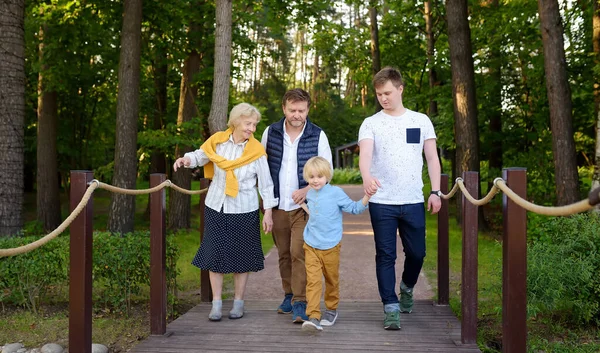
{"x":324,"y":228}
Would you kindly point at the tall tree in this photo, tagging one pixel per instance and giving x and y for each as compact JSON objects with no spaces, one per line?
{"x":559,"y":100}
{"x":217,"y":119}
{"x":375,"y":56}
{"x":12,"y":114}
{"x":179,"y":204}
{"x":463,"y":90}
{"x":122,"y":207}
{"x":48,"y":202}
{"x":463,"y":87}
{"x":429,"y":32}
{"x":596,"y":46}
{"x":495,"y":95}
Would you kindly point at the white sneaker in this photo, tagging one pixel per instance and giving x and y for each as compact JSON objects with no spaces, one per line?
{"x":312,"y":325}
{"x":329,"y":317}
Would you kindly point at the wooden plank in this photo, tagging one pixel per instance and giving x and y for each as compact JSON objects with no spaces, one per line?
{"x":358,"y":329}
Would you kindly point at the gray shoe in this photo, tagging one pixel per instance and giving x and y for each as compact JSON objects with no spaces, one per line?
{"x":215,"y":311}
{"x":237,"y":311}
{"x":329,"y":317}
{"x":312,"y":325}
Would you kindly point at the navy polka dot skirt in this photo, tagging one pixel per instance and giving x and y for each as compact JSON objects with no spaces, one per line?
{"x":231,"y":243}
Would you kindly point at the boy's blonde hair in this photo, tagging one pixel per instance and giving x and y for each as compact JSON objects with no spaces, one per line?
{"x":317,"y":166}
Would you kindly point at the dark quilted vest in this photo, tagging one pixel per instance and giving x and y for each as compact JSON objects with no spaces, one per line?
{"x":308,"y":147}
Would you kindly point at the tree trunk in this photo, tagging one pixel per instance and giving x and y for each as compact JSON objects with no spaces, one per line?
{"x":559,"y":101}
{"x":315,"y":79}
{"x":375,"y":56}
{"x":433,"y":81}
{"x":48,"y":202}
{"x":12,"y":115}
{"x":157,"y":162}
{"x":596,"y":41}
{"x":122,"y":207}
{"x":160,"y":70}
{"x":463,"y":89}
{"x":496,"y":138}
{"x":180,"y":204}
{"x":217,"y":119}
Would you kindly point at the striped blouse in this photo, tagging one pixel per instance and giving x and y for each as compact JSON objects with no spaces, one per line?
{"x":247,"y":175}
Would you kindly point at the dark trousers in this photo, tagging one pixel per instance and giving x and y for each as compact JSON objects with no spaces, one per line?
{"x":387,"y":220}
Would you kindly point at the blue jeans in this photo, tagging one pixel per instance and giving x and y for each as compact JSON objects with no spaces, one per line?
{"x":386,"y":220}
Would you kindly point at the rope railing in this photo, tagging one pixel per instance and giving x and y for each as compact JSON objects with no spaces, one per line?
{"x":493,"y":191}
{"x":499,"y":185}
{"x":94,"y":184}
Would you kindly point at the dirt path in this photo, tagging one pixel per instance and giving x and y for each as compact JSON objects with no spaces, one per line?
{"x":357,"y":264}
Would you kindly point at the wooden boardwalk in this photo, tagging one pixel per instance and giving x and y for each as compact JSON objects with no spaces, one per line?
{"x":359,"y":328}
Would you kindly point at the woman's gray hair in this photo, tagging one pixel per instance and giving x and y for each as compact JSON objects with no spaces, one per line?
{"x":240,"y":111}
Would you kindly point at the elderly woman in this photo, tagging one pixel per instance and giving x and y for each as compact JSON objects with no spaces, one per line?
{"x":235,"y":161}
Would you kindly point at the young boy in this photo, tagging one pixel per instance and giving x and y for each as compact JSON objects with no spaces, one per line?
{"x":322,"y":237}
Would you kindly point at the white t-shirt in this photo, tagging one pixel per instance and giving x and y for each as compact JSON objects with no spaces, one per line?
{"x":397,"y":155}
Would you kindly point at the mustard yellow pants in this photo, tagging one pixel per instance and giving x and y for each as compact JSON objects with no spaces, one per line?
{"x":319,"y":264}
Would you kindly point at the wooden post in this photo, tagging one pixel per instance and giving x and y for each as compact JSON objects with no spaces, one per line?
{"x":205,"y":288}
{"x":514,"y":265}
{"x":158,"y":281}
{"x":469,"y":260}
{"x":80,"y":275}
{"x":443,"y":263}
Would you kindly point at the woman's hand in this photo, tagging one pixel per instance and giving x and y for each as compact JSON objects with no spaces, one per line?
{"x":182,"y":162}
{"x":268,"y":220}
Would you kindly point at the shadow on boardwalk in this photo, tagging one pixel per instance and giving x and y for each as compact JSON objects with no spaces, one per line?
{"x":359,"y":327}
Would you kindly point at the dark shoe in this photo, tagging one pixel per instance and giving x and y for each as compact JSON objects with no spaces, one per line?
{"x":299,"y":312}
{"x":392,"y":320}
{"x":329,"y":317}
{"x":406,"y":298}
{"x":312,"y":325}
{"x":286,"y":305}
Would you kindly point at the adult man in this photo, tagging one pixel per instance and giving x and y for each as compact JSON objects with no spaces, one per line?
{"x":392,"y":143}
{"x":289,"y":143}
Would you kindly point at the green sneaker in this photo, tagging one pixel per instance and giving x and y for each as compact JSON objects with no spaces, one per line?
{"x":406,"y":298}
{"x":392,"y":320}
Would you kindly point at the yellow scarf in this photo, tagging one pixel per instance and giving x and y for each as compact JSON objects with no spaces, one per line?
{"x":252,"y":151}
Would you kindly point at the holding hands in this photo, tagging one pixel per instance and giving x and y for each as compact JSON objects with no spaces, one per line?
{"x":371,"y":185}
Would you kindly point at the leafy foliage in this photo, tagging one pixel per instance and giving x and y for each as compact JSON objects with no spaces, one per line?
{"x":346,"y":176}
{"x":563,"y":265}
{"x":120,"y":270}
{"x":27,"y":278}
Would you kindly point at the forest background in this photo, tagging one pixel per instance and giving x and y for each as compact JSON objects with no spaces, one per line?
{"x":124,"y":87}
{"x":109,"y":87}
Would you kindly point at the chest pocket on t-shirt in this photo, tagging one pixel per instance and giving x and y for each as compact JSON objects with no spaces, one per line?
{"x":413,"y":135}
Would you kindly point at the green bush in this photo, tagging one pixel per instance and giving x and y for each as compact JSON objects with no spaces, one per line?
{"x":346,"y":176}
{"x":120,"y":269}
{"x":563,"y":267}
{"x":26,"y":278}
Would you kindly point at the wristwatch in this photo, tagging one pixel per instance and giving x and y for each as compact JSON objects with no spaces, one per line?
{"x":436,"y":192}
